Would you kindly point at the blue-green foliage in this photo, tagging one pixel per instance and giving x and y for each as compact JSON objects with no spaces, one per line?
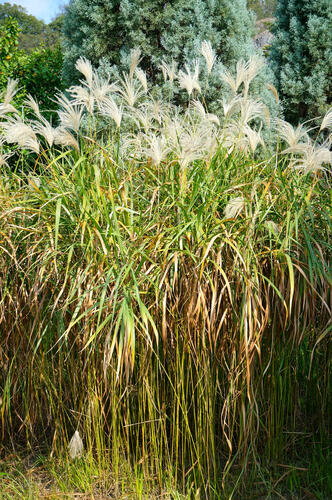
{"x":301,"y":57}
{"x":107,"y":30}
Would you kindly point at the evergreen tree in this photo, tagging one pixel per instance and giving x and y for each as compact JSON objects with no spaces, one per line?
{"x":106,"y":30}
{"x":301,"y":57}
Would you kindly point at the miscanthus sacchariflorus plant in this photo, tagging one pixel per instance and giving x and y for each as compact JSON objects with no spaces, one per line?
{"x":165,"y":285}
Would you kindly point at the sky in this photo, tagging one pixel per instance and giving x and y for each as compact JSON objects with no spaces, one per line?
{"x":42,"y":9}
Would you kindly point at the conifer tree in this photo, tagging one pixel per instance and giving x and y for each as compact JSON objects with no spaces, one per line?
{"x":301,"y":57}
{"x":106,"y":30}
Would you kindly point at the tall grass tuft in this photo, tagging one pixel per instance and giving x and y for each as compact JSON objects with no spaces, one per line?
{"x":165,"y":284}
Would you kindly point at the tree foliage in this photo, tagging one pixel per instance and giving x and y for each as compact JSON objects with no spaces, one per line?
{"x":33,"y":32}
{"x":38,"y":71}
{"x":263,"y":8}
{"x":40,"y":74}
{"x":106,"y":31}
{"x":9,"y":33}
{"x":301,"y":56}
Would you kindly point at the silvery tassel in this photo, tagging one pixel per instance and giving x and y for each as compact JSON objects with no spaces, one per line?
{"x":76,"y":446}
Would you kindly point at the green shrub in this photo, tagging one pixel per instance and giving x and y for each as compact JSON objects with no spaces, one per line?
{"x":9,"y":32}
{"x":107,"y":32}
{"x":39,"y":73}
{"x":301,"y":57}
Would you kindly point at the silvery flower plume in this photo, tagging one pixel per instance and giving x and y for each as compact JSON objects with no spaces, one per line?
{"x":65,"y":138}
{"x":4,"y":158}
{"x":231,"y":107}
{"x":235,"y":82}
{"x":209,"y":55}
{"x":157,"y":109}
{"x":75,"y":446}
{"x":135,"y":59}
{"x":32,"y":104}
{"x":84,"y":66}
{"x":8,"y":96}
{"x":169,"y":70}
{"x":292,"y":136}
{"x":70,"y":115}
{"x":17,"y":132}
{"x":192,"y":141}
{"x":91,"y":90}
{"x":141,"y":76}
{"x":311,"y":158}
{"x":132,"y":144}
{"x":272,"y":227}
{"x":43,"y":128}
{"x":157,"y":149}
{"x":198,"y":106}
{"x":189,"y":81}
{"x":234,"y":207}
{"x":101,"y":88}
{"x":82,"y":96}
{"x":274,"y":92}
{"x":327,"y":120}
{"x":130,"y":91}
{"x":143,"y":118}
{"x":253,"y":138}
{"x":111,"y":109}
{"x":251,"y":110}
{"x":252,"y":68}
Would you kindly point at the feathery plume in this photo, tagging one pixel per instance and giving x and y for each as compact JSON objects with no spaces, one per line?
{"x":292,"y":136}
{"x":81,"y":96}
{"x":44,"y":129}
{"x":135,"y":59}
{"x":189,"y":81}
{"x":111,"y":109}
{"x":250,"y":110}
{"x":229,"y":79}
{"x":70,"y":115}
{"x":198,"y":106}
{"x":209,"y":55}
{"x":252,"y":68}
{"x":9,"y":94}
{"x":84,"y":66}
{"x":143,"y":118}
{"x":31,"y":103}
{"x":129,"y":91}
{"x":312,"y":158}
{"x":254,"y":138}
{"x":18,"y":132}
{"x":102,"y":88}
{"x":64,"y":138}
{"x":274,"y":92}
{"x":3,"y":156}
{"x":141,"y":76}
{"x":75,"y":446}
{"x":232,"y":106}
{"x":157,"y":149}
{"x":169,"y":70}
{"x":327,"y":120}
{"x":234,"y":207}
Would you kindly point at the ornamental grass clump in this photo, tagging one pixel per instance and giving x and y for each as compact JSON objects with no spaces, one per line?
{"x":164,"y":283}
